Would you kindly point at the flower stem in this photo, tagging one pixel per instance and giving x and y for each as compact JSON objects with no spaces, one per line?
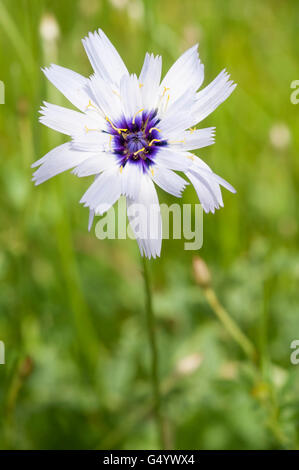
{"x":151,"y":330}
{"x":230,"y":324}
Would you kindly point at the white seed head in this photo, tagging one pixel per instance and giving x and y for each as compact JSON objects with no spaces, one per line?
{"x":280,"y":136}
{"x":49,"y":28}
{"x":120,"y":4}
{"x":89,"y":7}
{"x":189,"y":364}
{"x":135,"y":10}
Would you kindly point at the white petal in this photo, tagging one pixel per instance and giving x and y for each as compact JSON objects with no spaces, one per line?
{"x":104,"y":191}
{"x":200,"y":167}
{"x":105,"y":97}
{"x":59,"y":159}
{"x":168,"y":180}
{"x":90,"y":219}
{"x":145,"y":219}
{"x":224,"y":183}
{"x":95,"y":164}
{"x":172,"y":159}
{"x":65,"y":120}
{"x":103,"y":57}
{"x":196,"y":139}
{"x":204,"y":169}
{"x":205,"y":193}
{"x":130,"y":180}
{"x":206,"y":184}
{"x":179,"y":117}
{"x":92,"y":140}
{"x":210,"y":97}
{"x":70,"y":84}
{"x":187,"y":73}
{"x":131,"y":95}
{"x":149,"y":80}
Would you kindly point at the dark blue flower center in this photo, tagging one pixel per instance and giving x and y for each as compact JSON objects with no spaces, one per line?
{"x":137,"y":140}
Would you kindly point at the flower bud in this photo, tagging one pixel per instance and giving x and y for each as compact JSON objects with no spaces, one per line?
{"x":201,"y":272}
{"x":187,"y":365}
{"x":26,"y":367}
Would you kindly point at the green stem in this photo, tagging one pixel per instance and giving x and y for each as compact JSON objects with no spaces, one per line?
{"x":230,"y":324}
{"x":151,"y":329}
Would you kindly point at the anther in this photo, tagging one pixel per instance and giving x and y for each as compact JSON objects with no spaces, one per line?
{"x":119,"y":130}
{"x":90,"y":105}
{"x":89,"y":130}
{"x":154,"y":129}
{"x":165,"y":90}
{"x":154,"y":140}
{"x":138,"y":151}
{"x":134,"y":117}
{"x":167,"y":101}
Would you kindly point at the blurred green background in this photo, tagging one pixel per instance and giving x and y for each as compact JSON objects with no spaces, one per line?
{"x":72,"y":306}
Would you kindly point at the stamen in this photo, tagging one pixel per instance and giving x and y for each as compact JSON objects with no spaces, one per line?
{"x":119,"y":130}
{"x":121,"y":169}
{"x":165,"y":90}
{"x":98,"y":110}
{"x":146,"y":123}
{"x":154,"y":129}
{"x":152,"y":171}
{"x":167,"y":101}
{"x":116,"y":93}
{"x":140,"y":85}
{"x":89,"y":130}
{"x":138,"y":151}
{"x":134,"y":117}
{"x":90,"y":105}
{"x":177,"y":141}
{"x":192,"y":129}
{"x":154,"y":140}
{"x":110,"y":140}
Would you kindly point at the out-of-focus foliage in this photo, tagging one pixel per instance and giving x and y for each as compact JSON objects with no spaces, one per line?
{"x":71,"y":306}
